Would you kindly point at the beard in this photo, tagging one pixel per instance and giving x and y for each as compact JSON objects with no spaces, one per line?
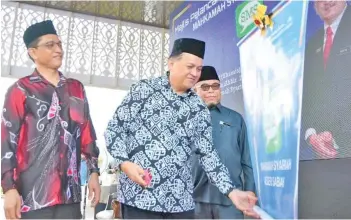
{"x":211,"y":105}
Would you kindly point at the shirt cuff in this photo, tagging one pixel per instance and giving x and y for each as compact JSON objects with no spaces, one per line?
{"x":229,"y":191}
{"x":91,"y":162}
{"x":119,"y":162}
{"x":7,"y":184}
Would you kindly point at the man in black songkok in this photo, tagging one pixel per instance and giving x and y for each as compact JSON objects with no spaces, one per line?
{"x":153,"y":142}
{"x":229,"y":133}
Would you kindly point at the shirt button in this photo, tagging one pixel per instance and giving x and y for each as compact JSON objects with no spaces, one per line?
{"x":61,"y":173}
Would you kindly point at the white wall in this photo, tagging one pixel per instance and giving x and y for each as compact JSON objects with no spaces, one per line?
{"x":103,"y":103}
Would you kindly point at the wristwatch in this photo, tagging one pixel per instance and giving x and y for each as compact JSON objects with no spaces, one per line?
{"x":95,"y":170}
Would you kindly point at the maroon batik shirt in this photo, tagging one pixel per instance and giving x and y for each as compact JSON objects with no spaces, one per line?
{"x":44,"y":131}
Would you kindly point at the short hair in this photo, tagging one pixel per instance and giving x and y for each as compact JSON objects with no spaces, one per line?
{"x":176,"y":56}
{"x":33,"y":44}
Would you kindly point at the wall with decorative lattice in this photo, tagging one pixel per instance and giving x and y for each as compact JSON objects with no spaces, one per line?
{"x":99,"y":51}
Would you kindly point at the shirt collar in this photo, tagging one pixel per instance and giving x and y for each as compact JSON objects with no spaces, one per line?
{"x":217,"y":107}
{"x":190,"y":92}
{"x":37,"y":77}
{"x":334,"y":26}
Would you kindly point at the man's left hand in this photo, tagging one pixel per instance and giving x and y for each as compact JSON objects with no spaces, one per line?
{"x":244,"y":201}
{"x":94,"y":189}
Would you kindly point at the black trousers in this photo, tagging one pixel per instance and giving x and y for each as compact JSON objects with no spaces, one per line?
{"x":129,"y":212}
{"x":67,"y":211}
{"x":213,"y":211}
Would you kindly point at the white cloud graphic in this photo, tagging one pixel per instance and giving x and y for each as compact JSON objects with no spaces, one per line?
{"x":268,"y":77}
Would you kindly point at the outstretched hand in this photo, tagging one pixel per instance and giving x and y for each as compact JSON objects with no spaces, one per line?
{"x":244,"y":201}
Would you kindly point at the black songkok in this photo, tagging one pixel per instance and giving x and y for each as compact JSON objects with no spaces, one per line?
{"x":37,"y":30}
{"x":208,"y":73}
{"x":189,"y":45}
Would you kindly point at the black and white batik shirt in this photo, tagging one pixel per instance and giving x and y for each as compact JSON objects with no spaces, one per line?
{"x":160,"y":130}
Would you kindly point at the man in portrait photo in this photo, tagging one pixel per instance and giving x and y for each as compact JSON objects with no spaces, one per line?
{"x":326,"y":118}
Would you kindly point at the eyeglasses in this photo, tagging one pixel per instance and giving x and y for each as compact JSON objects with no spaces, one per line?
{"x":51,"y":44}
{"x":206,"y":87}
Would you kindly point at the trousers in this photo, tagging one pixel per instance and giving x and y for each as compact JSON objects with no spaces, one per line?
{"x":66,"y":211}
{"x":213,"y":211}
{"x":129,"y":212}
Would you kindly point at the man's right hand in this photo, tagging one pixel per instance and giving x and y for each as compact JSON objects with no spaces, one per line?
{"x":12,"y":204}
{"x":244,"y":201}
{"x":134,"y":172}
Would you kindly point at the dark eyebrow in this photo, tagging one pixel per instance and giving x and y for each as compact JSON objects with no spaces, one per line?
{"x":52,"y":41}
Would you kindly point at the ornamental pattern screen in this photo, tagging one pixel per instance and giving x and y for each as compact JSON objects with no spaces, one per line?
{"x":98,"y":51}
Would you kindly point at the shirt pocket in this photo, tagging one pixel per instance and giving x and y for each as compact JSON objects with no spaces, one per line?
{"x":227,"y":140}
{"x":76,"y":109}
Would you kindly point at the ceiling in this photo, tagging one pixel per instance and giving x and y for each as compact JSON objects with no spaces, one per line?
{"x":153,"y":13}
